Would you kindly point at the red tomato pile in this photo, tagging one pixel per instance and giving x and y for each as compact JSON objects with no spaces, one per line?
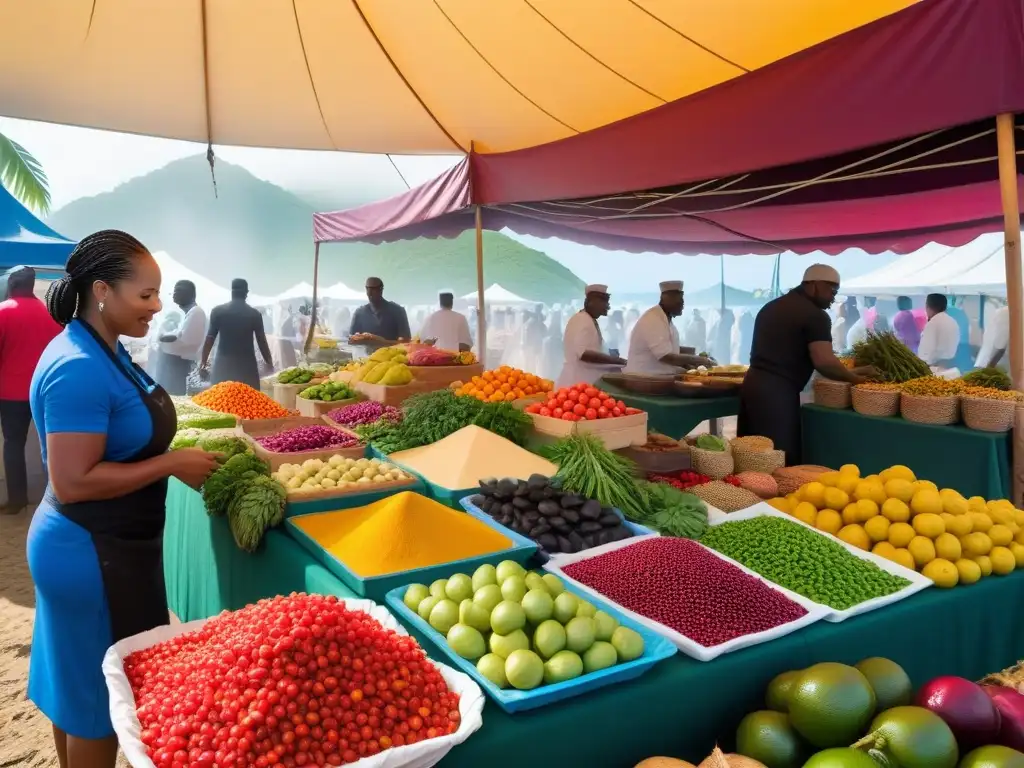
{"x":581,"y":402}
{"x":290,"y":681}
{"x":682,"y":479}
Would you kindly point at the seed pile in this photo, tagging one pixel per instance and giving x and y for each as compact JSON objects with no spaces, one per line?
{"x":682,"y":585}
{"x":933,"y":386}
{"x":991,"y":393}
{"x":802,"y":561}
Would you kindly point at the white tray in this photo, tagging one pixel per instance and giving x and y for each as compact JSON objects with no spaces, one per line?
{"x":690,"y":647}
{"x":422,"y":754}
{"x":917,"y":581}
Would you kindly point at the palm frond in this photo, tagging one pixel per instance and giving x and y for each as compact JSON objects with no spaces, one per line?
{"x":23,"y":176}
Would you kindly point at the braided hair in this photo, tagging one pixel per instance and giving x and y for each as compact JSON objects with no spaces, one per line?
{"x":107,"y":256}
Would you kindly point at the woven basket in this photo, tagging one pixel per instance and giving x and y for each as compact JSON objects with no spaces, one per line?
{"x":987,"y":415}
{"x":758,"y":461}
{"x":791,"y":478}
{"x":714,"y":464}
{"x":752,"y":443}
{"x":874,"y":402}
{"x":831,"y":394}
{"x":930,"y":410}
{"x":725,"y":496}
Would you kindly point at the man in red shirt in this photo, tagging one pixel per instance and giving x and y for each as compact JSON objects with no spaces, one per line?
{"x":25,"y":329}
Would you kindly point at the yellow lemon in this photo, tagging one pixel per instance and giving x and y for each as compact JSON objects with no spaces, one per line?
{"x":976,"y":544}
{"x":1003,"y":561}
{"x":959,"y":525}
{"x":1018,"y":553}
{"x":829,"y":479}
{"x":999,"y":504}
{"x":896,"y":511}
{"x":870,"y":490}
{"x":969,"y":571}
{"x":899,"y":489}
{"x":977,"y":504}
{"x":1019,"y":537}
{"x":877,"y":478}
{"x":855,"y":535}
{"x":904,"y":558}
{"x":805,"y":512}
{"x":877,"y":529}
{"x":926,"y":501}
{"x":953,"y":502}
{"x":793,"y":499}
{"x":850,"y":513}
{"x":813,"y":493}
{"x":982,"y":522}
{"x":897,"y":472}
{"x":847,"y":483}
{"x":866,"y":509}
{"x":947,"y":546}
{"x":900,"y":534}
{"x":781,"y":504}
{"x":884,"y":549}
{"x":829,"y":521}
{"x":1018,"y":517}
{"x":850,"y":469}
{"x":942,"y":572}
{"x":925,"y":485}
{"x":923,"y":550}
{"x":985,"y":564}
{"x":1001,"y":516}
{"x":1001,"y":535}
{"x":930,"y":525}
{"x":836,"y":499}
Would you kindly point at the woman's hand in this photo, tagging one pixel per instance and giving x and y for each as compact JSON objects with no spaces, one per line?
{"x":192,"y":465}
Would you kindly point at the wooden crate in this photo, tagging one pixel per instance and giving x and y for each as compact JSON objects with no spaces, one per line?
{"x":395,"y":396}
{"x":614,"y":433}
{"x":254,"y":428}
{"x":275,"y":460}
{"x":317,"y":408}
{"x":285,"y":394}
{"x":445,"y":374}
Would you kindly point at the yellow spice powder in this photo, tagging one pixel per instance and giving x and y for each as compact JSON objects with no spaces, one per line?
{"x":462,"y":459}
{"x":399,"y":533}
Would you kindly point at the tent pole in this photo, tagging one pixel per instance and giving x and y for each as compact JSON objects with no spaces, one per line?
{"x":312,"y":313}
{"x":481,"y":318}
{"x":1014,"y":284}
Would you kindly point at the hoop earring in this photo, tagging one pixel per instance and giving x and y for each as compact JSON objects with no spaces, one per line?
{"x":101,"y":306}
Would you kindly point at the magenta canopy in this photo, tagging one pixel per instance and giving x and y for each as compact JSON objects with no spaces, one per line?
{"x":882,"y":138}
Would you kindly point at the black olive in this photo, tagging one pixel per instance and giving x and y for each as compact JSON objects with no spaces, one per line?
{"x":563,"y":528}
{"x":531,"y":519}
{"x":591,"y":510}
{"x":537,"y":482}
{"x":604,"y":537}
{"x":571,"y":501}
{"x":618,"y":534}
{"x":576,"y":540}
{"x":571,"y":515}
{"x":549,"y":508}
{"x":507,"y":508}
{"x":539,"y":530}
{"x":536,"y":496}
{"x":610,"y":520}
{"x":589,"y":541}
{"x":478,"y":500}
{"x":564,"y":545}
{"x":506,"y":488}
{"x":521,"y":502}
{"x":549,"y":541}
{"x":589,"y":526}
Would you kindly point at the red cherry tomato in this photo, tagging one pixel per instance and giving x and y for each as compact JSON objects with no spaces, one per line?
{"x":621,"y":405}
{"x":591,"y":414}
{"x":595,"y":403}
{"x":557,"y":413}
{"x":609,"y":403}
{"x":591,"y":391}
{"x":551,"y":404}
{"x":616,"y":412}
{"x":633,"y":411}
{"x":569,"y":416}
{"x":573,"y":394}
{"x":579,"y":409}
{"x":602,"y":413}
{"x":545,"y":411}
{"x":583,"y":398}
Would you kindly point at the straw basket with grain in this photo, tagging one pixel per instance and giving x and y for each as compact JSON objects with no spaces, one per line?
{"x":724,"y":496}
{"x":831,"y":394}
{"x":714,"y":464}
{"x":987,"y":415}
{"x":758,"y":461}
{"x":791,"y":478}
{"x":875,"y":402}
{"x":930,"y":410}
{"x":753,"y":443}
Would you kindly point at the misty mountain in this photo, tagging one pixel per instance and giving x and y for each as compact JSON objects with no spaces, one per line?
{"x":259,"y":231}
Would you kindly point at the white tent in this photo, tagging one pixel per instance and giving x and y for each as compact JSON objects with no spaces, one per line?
{"x":496,"y":294}
{"x":341,"y":292}
{"x":301,"y":291}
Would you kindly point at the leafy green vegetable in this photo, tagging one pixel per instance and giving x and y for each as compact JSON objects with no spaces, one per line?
{"x":186,"y":438}
{"x":223,"y":484}
{"x":226,"y":445}
{"x":589,"y":469}
{"x":988,"y":377}
{"x":711,"y":443}
{"x":891,"y":357}
{"x":673,"y":512}
{"x":256,"y":507}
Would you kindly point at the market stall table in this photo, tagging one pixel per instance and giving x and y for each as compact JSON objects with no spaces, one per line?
{"x":676,"y":416}
{"x":681,"y":708}
{"x":971,"y":462}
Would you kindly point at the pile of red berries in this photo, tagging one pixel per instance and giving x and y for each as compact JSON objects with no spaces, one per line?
{"x":290,"y":681}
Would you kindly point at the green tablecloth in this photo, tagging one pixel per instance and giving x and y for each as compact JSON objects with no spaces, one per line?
{"x":675,"y":416}
{"x":973,"y":463}
{"x":679,"y":708}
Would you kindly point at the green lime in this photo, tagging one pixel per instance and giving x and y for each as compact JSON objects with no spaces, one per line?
{"x":769,"y":738}
{"x":830,"y":704}
{"x":993,"y":757}
{"x":777,"y":695}
{"x":888,"y":680}
{"x":916,"y":738}
{"x":841,"y":757}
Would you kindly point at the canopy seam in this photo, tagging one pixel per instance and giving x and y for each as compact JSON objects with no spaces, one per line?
{"x":92,"y":15}
{"x":687,"y":37}
{"x":309,"y":74}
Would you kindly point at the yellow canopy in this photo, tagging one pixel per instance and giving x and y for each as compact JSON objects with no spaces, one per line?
{"x":415,"y":76}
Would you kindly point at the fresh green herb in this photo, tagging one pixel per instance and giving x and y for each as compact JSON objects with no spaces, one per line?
{"x":988,"y":377}
{"x":673,"y":512}
{"x":589,"y":469}
{"x":893,"y":359}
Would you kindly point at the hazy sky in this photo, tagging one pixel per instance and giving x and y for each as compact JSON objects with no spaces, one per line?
{"x":81,"y":162}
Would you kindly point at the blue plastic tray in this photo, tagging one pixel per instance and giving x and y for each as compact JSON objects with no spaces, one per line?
{"x":656,"y":648}
{"x":543,"y":555}
{"x":347,"y":500}
{"x":376,"y":587}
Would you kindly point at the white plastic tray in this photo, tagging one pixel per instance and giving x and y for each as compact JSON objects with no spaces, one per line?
{"x":422,"y":754}
{"x":690,"y":647}
{"x":917,"y":581}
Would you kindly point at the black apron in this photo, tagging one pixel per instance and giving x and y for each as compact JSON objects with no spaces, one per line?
{"x":127,"y":532}
{"x":770,"y":406}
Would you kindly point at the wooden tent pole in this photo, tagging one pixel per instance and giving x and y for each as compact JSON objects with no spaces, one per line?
{"x":1014,"y":284}
{"x":481,"y":317}
{"x":312,"y":313}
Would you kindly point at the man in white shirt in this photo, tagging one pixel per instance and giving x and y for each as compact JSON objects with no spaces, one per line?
{"x":941,"y":336}
{"x":654,"y":342}
{"x":996,"y":341}
{"x":446,"y":328}
{"x":586,"y":359}
{"x":183,"y":347}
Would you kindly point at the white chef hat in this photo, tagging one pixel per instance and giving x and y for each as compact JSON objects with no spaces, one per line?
{"x":821,"y":273}
{"x":671,"y":285}
{"x":596,"y":288}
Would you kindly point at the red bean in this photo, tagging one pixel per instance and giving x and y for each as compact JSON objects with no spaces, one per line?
{"x":681,"y":584}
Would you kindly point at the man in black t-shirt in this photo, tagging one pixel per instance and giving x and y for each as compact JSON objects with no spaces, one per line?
{"x":792,"y":339}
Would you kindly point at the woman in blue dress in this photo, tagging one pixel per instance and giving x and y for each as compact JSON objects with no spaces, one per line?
{"x":95,"y":544}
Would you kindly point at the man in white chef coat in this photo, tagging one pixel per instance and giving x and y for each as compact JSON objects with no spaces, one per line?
{"x":184,"y":346}
{"x":654,"y":342}
{"x":586,"y":359}
{"x":995,"y":341}
{"x":941,"y":336}
{"x":446,"y":328}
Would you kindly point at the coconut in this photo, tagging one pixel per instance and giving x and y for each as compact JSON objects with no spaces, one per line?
{"x":969,"y":713}
{"x":664,"y":762}
{"x":718,"y":759}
